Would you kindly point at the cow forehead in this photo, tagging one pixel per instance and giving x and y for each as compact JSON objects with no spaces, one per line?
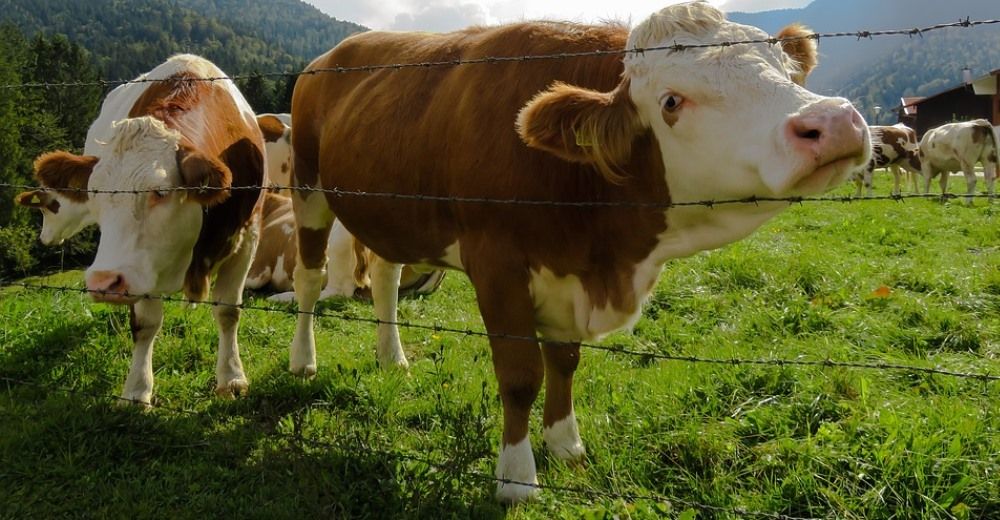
{"x":696,"y":24}
{"x":141,"y":154}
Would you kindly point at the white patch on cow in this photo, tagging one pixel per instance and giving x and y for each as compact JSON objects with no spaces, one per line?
{"x":279,"y":278}
{"x":517,"y":465}
{"x":563,"y":439}
{"x":314,"y":213}
{"x":308,"y":284}
{"x":452,"y":258}
{"x":288,"y":228}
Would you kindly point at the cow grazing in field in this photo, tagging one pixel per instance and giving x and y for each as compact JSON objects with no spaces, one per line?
{"x":893,"y":147}
{"x":172,"y":148}
{"x":653,"y":127}
{"x":277,"y":130}
{"x":347,"y":275}
{"x":62,"y":217}
{"x":957,"y":147}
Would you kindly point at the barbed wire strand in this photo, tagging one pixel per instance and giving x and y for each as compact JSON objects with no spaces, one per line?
{"x":709,"y":203}
{"x":612,"y":349}
{"x":675,"y":47}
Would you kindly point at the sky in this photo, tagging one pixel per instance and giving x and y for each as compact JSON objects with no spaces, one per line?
{"x":447,"y":15}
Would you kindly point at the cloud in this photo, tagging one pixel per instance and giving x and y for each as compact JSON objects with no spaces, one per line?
{"x":440,"y":18}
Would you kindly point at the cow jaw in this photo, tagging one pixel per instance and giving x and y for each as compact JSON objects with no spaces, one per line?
{"x":147,"y":233}
{"x":69,"y":219}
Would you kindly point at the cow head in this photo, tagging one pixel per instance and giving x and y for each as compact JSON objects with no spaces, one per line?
{"x":148,"y":228}
{"x":730,"y":122}
{"x":62,"y":216}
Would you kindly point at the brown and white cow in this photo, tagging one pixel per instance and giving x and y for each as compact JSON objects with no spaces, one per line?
{"x":654,"y":127}
{"x":347,"y":274}
{"x":893,"y":147}
{"x":277,"y":130}
{"x":957,"y":147}
{"x":179,"y":131}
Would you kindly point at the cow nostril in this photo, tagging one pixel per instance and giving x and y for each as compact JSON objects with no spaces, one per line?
{"x":812,"y":135}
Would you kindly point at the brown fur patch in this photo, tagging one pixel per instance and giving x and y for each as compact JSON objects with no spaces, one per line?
{"x":201,"y":171}
{"x":65,"y":171}
{"x":272,"y":128}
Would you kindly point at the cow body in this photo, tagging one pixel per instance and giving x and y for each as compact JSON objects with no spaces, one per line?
{"x":893,"y":147}
{"x":347,"y":275}
{"x":640,"y":132}
{"x":958,"y":147}
{"x":166,"y":152}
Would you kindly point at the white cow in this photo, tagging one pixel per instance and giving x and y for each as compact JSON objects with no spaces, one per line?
{"x":955,"y":147}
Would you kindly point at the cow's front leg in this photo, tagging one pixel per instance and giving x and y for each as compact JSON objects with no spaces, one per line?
{"x":506,"y":306}
{"x":561,"y":433}
{"x":145,"y":320}
{"x":230,"y":380}
{"x":943,"y":182}
{"x":313,"y":220}
{"x":896,"y":174}
{"x":385,"y":297}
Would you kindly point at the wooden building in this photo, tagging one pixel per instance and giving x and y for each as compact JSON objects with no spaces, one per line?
{"x":974,"y":99}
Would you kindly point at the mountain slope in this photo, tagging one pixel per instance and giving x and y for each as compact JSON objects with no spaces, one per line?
{"x":844,"y":61}
{"x":131,"y":36}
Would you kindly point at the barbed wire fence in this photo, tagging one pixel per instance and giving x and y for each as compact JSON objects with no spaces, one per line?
{"x":882,"y":366}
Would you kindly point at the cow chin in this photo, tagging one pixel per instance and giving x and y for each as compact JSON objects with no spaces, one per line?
{"x":824,"y":178}
{"x":113,"y":298}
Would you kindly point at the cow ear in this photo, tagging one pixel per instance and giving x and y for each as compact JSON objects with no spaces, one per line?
{"x":201,"y":171}
{"x":582,"y":125}
{"x":66,"y":172}
{"x":32,"y":199}
{"x":801,"y":48}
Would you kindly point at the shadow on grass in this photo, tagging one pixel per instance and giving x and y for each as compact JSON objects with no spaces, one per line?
{"x":264,"y":456}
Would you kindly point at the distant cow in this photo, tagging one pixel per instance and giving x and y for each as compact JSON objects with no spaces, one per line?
{"x":173,"y":146}
{"x":347,"y":275}
{"x":893,"y":147}
{"x":957,"y":147}
{"x":277,"y":130}
{"x":62,"y":217}
{"x":630,"y":131}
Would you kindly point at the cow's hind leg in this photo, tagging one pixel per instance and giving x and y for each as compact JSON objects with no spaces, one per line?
{"x":230,"y":380}
{"x":506,"y":306}
{"x":561,"y":434}
{"x":145,"y":320}
{"x":313,"y":220}
{"x":385,"y":297}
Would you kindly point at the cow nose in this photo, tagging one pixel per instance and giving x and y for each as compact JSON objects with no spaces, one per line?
{"x":107,"y":286}
{"x":827,"y":131}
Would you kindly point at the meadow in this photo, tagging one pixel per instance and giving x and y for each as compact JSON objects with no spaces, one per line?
{"x":914,"y":283}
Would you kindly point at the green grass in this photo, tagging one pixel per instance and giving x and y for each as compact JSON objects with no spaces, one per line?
{"x":354,"y":442}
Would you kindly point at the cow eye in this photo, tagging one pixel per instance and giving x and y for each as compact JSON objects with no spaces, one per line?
{"x":672,"y":102}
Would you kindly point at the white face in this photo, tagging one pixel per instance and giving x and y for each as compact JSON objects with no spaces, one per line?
{"x":69,"y":219}
{"x":729,"y":121}
{"x":147,"y":238}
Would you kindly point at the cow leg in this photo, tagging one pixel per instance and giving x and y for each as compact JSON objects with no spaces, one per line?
{"x":990,"y":172}
{"x":341,"y":263}
{"x":230,"y":380}
{"x":385,"y":297}
{"x":508,"y":312}
{"x":145,"y":319}
{"x":858,"y":181}
{"x":869,"y":175}
{"x":943,"y":182}
{"x":561,"y":434}
{"x":970,"y":182}
{"x":895,"y":179}
{"x":313,"y":220}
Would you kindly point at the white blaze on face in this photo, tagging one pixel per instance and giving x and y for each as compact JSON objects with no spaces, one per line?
{"x":729,"y":120}
{"x":146,"y":237}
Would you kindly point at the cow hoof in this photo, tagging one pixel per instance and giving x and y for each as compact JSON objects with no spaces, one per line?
{"x":512,"y":493}
{"x":306,"y":371}
{"x":394,"y":364}
{"x":138,"y":402}
{"x":233,"y":389}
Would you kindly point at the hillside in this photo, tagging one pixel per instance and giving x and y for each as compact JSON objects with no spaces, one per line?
{"x":128,"y":37}
{"x":891,"y":65}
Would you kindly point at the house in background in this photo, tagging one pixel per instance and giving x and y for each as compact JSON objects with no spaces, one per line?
{"x":976,"y":98}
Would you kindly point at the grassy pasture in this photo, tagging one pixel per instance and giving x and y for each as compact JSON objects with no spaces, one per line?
{"x":914,"y":283}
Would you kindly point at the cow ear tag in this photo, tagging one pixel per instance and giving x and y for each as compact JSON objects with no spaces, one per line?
{"x":35,"y":199}
{"x":584,"y":139}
